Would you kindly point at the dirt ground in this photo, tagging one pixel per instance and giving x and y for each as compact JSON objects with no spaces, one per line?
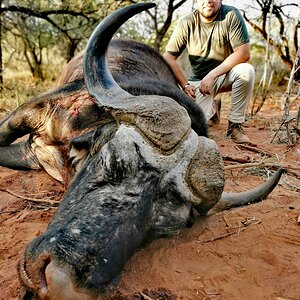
{"x":251,"y":252}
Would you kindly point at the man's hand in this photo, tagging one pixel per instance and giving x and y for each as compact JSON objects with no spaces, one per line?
{"x":240,"y":55}
{"x":206,"y":84}
{"x":190,"y":90}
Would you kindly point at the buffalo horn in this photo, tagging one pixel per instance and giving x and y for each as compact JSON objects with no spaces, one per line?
{"x":98,"y":78}
{"x":18,"y":156}
{"x":230,"y":200}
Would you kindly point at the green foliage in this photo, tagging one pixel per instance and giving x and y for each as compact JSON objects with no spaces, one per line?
{"x":39,"y":27}
{"x":38,"y":39}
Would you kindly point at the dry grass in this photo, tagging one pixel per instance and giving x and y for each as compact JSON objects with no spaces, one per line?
{"x":20,"y":89}
{"x":20,"y":86}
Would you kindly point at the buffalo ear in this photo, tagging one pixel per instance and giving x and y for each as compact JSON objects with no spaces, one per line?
{"x":79,"y":149}
{"x":82,"y":141}
{"x":90,"y":143}
{"x":102,"y":135}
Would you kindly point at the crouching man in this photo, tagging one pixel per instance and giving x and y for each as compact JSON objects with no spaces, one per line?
{"x":217,"y":41}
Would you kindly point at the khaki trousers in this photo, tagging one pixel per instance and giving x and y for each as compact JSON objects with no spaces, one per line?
{"x":240,"y":81}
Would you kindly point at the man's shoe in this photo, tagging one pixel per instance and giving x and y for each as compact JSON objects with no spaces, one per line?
{"x":237,"y":134}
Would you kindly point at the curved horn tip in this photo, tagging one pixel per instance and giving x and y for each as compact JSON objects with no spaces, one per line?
{"x":147,"y":5}
{"x":282,"y":170}
{"x":279,"y":172}
{"x":230,"y":200}
{"x":94,"y":61}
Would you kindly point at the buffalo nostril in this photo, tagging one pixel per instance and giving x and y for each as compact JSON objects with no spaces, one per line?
{"x":32,"y":275}
{"x":25,"y":278}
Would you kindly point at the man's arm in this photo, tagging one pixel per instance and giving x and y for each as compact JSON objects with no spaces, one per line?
{"x":190,"y":90}
{"x":240,"y":55}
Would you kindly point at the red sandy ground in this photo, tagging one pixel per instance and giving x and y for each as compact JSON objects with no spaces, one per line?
{"x":247,"y":253}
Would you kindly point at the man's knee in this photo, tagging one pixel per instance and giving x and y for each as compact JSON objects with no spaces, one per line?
{"x":244,"y":71}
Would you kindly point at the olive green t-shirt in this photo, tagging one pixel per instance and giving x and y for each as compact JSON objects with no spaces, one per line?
{"x":208,"y":44}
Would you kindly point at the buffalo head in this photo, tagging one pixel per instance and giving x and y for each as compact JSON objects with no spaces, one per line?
{"x":148,"y":172}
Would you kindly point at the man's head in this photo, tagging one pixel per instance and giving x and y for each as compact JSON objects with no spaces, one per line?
{"x":209,"y":9}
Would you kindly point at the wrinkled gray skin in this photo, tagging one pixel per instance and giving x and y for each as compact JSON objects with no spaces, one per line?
{"x":149,"y":171}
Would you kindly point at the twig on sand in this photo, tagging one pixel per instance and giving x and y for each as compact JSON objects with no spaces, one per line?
{"x":145,"y":296}
{"x":289,"y":168}
{"x":292,"y":186}
{"x":10,"y":211}
{"x":48,"y":201}
{"x":244,"y":225}
{"x":218,"y":237}
{"x":237,"y":159}
{"x":255,"y":149}
{"x":249,"y":165}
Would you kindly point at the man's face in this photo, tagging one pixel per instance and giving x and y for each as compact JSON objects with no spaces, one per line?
{"x":209,"y":8}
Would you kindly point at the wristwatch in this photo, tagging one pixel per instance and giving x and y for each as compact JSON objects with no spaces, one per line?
{"x":188,"y":84}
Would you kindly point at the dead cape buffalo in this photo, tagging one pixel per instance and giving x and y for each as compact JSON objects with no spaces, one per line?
{"x":69,"y":113}
{"x":148,"y":172}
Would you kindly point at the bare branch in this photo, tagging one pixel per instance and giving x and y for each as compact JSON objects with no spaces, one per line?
{"x":43,"y":14}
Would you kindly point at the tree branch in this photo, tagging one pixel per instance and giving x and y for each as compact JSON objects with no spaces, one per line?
{"x":286,"y":59}
{"x":43,"y":14}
